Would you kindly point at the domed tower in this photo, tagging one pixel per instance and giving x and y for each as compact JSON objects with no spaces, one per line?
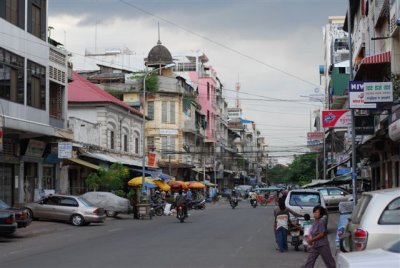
{"x":159,"y":56}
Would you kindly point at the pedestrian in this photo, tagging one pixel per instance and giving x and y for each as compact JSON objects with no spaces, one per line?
{"x":189,"y":194}
{"x":281,"y":226}
{"x":318,"y":240}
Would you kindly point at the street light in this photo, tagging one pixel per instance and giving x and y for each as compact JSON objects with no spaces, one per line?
{"x":144,"y":123}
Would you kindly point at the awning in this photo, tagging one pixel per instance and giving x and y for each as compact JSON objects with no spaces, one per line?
{"x":113,"y":159}
{"x":376,"y":59}
{"x":84,"y":163}
{"x":316,"y":183}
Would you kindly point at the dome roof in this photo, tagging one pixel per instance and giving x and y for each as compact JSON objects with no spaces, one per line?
{"x":158,"y":55}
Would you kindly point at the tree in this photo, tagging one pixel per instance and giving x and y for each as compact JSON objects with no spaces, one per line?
{"x":302,"y":169}
{"x":111,"y":179}
{"x":278,"y":174}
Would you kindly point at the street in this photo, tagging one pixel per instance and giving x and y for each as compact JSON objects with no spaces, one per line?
{"x":216,"y":237}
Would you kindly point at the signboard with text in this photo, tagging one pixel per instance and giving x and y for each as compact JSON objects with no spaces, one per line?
{"x":64,"y":150}
{"x":357,"y":96}
{"x":364,"y":125}
{"x":315,"y":141}
{"x":336,"y":118}
{"x":378,"y":92}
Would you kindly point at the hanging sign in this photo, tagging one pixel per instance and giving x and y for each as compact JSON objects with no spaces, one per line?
{"x":364,"y":125}
{"x":357,"y":96}
{"x":378,"y":92}
{"x":336,"y":118}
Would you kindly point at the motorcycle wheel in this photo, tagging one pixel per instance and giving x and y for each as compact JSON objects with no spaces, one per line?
{"x":203,"y":207}
{"x":296,"y":247}
{"x":159,"y":211}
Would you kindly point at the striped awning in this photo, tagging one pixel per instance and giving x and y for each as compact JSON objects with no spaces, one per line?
{"x":376,"y":59}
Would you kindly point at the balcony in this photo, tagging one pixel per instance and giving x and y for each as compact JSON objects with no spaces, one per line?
{"x":189,"y":126}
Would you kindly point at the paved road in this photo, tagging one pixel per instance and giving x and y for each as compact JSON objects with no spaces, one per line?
{"x":217,"y":237}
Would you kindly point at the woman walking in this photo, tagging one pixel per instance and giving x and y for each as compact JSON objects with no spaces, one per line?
{"x":318,"y":240}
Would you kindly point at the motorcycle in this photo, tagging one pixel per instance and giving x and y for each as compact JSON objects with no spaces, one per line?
{"x":180,"y":213}
{"x":234,"y":202}
{"x":253,"y":203}
{"x":198,"y":204}
{"x":297,"y":240}
{"x":158,"y":208}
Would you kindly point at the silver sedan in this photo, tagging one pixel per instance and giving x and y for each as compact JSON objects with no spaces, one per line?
{"x":76,"y":210}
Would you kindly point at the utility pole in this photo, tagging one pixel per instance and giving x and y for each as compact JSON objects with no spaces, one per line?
{"x":353,"y":132}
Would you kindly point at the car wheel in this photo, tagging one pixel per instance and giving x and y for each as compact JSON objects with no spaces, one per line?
{"x":30,"y":214}
{"x":77,"y":220}
{"x":111,"y":213}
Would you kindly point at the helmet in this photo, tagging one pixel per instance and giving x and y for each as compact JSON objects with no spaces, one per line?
{"x":233,"y":191}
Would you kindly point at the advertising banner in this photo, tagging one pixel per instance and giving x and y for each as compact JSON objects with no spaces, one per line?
{"x":315,"y":141}
{"x":357,"y":96}
{"x":151,"y":159}
{"x":336,"y":118}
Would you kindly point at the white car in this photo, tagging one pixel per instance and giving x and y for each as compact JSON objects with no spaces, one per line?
{"x":303,"y":201}
{"x":111,"y":203}
{"x":375,"y":220}
{"x":388,"y":257}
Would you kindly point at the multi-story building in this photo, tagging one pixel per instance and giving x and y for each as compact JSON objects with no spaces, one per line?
{"x":375,"y":45}
{"x":33,"y":82}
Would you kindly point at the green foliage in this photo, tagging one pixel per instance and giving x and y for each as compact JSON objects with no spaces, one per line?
{"x":302,"y":169}
{"x":278,"y":174}
{"x":111,"y":179}
{"x":151,"y":81}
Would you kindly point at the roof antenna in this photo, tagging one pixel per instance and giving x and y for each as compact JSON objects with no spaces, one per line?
{"x":159,"y":42}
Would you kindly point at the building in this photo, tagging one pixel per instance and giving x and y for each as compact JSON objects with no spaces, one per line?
{"x":33,"y":94}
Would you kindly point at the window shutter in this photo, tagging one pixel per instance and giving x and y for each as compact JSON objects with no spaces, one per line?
{"x":172,"y":112}
{"x":172,"y":146}
{"x":164,"y":115}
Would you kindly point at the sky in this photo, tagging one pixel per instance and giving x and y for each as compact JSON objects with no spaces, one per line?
{"x":273,"y":48}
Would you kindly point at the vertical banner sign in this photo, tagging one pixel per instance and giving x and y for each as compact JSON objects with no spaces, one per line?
{"x":151,"y":159}
{"x":357,"y":96}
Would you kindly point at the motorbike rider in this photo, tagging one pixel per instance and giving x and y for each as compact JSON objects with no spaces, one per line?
{"x":180,"y":199}
{"x":252,"y":196}
{"x":233,"y":196}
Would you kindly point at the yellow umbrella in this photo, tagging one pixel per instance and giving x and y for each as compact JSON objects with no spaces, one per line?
{"x":162,"y":185}
{"x":138,"y":181}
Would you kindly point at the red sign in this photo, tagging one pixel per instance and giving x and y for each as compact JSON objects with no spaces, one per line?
{"x":336,"y":118}
{"x":151,"y":159}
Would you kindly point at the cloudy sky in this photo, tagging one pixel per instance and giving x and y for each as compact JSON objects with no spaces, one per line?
{"x":272,"y":47}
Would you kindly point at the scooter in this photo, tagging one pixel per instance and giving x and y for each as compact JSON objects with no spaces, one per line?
{"x":297,"y":240}
{"x":253,"y":203}
{"x":234,"y":202}
{"x":180,"y":213}
{"x":158,"y":208}
{"x":198,"y":204}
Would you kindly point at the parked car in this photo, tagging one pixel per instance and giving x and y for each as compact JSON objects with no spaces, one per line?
{"x":112,"y":203}
{"x":21,"y":215}
{"x":303,"y":201}
{"x":381,"y":257}
{"x":375,"y":220}
{"x":76,"y":210}
{"x":8,"y":225}
{"x":334,"y":195}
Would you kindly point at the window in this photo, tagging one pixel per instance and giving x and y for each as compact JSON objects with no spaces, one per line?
{"x":36,"y":85}
{"x":112,"y":140}
{"x":12,"y":11}
{"x":125,"y":143}
{"x":11,"y":76}
{"x":136,"y":145}
{"x":56,"y":100}
{"x":150,"y":144}
{"x":168,"y":146}
{"x":324,"y":192}
{"x":36,"y":21}
{"x":68,"y":202}
{"x":150,"y":109}
{"x":391,"y":214}
{"x":360,"y":208}
{"x":208,"y":91}
{"x":335,"y":192}
{"x":168,"y":112}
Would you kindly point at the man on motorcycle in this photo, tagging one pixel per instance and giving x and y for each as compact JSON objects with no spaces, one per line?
{"x":180,"y":199}
{"x":252,"y":197}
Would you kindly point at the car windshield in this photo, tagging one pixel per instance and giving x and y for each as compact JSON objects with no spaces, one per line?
{"x":3,"y":205}
{"x":304,"y":199}
{"x":85,"y":202}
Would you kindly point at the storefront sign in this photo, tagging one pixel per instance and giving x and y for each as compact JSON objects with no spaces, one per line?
{"x":35,"y":148}
{"x":378,"y":92}
{"x":364,"y":125}
{"x":357,"y":96}
{"x":64,"y":150}
{"x":165,"y":131}
{"x":336,"y":118}
{"x":151,"y":159}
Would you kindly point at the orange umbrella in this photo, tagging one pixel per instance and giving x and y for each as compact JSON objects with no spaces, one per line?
{"x":177,"y":185}
{"x":196,"y":185}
